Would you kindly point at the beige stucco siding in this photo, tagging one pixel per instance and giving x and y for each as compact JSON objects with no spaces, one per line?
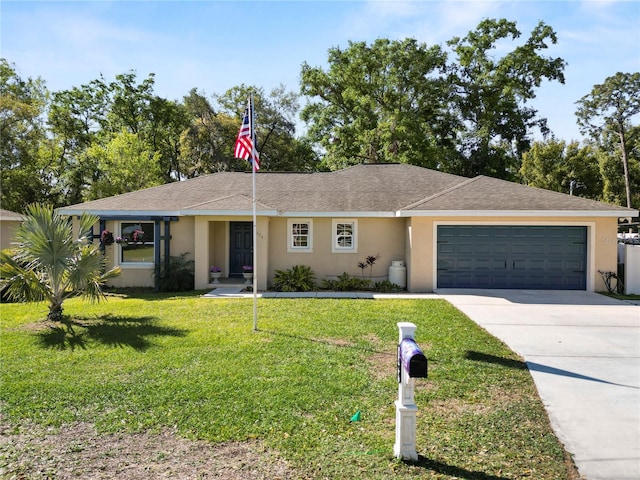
{"x":7,"y":233}
{"x":142,"y":275}
{"x":206,"y":239}
{"x":375,"y":236}
{"x":421,"y":271}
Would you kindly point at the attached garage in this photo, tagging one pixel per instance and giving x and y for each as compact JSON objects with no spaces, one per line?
{"x":499,"y":256}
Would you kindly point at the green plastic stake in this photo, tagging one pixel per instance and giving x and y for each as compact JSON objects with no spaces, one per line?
{"x":356,"y":416}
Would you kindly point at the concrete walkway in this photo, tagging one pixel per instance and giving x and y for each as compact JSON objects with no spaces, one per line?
{"x":239,"y":292}
{"x":583,"y":351}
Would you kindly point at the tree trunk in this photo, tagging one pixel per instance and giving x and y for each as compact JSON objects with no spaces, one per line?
{"x":625,"y":164}
{"x":55,"y":312}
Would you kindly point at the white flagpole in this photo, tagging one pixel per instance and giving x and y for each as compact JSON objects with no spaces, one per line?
{"x":254,"y":153}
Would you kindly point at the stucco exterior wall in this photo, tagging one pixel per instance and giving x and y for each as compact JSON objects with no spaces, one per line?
{"x":413,"y":240}
{"x":142,"y":275}
{"x":375,"y":236}
{"x":8,"y":232}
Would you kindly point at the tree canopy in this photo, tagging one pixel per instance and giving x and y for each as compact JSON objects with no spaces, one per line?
{"x":404,"y":101}
{"x":609,"y":108}
{"x":463,"y":107}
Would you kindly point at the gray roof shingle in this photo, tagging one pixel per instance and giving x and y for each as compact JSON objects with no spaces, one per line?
{"x":365,"y":189}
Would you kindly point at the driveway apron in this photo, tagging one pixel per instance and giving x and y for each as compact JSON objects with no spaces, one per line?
{"x":583,"y":352}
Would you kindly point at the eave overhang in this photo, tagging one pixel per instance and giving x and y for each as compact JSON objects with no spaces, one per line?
{"x":515,"y":213}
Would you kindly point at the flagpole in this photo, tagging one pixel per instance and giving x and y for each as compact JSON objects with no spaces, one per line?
{"x":255,"y":225}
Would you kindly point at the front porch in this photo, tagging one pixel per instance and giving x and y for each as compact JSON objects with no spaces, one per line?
{"x":226,"y":243}
{"x":226,"y":282}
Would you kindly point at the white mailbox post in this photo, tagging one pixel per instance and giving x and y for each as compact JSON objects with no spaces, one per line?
{"x":411,"y":364}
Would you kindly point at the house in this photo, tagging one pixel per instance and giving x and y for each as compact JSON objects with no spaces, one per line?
{"x":9,"y":223}
{"x":450,"y":231}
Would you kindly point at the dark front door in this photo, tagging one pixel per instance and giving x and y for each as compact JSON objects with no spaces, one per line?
{"x":241,"y":246}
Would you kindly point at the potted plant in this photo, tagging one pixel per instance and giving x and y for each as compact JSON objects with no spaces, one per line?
{"x":216,"y":273}
{"x":137,"y":236}
{"x":247,"y":273}
{"x":106,"y":237}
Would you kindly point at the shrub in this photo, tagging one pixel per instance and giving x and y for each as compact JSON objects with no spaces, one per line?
{"x":300,"y":278}
{"x":180,"y":275}
{"x":368,"y":262}
{"x":386,"y":286}
{"x":345,"y":283}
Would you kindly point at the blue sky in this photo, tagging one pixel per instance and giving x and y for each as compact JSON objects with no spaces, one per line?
{"x":215,"y":45}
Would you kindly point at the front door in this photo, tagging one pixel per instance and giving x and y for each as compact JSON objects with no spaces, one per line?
{"x":241,"y":247}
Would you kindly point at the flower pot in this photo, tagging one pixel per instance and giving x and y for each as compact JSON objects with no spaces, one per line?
{"x":215,"y":277}
{"x":248,"y":277}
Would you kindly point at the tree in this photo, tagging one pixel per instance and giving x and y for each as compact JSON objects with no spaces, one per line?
{"x":554,"y":164}
{"x":612,"y":169}
{"x":384,"y":102}
{"x":275,"y":113}
{"x":168,"y":119}
{"x":611,"y":105}
{"x":206,"y":144}
{"x":124,"y":164}
{"x":91,"y":117}
{"x":76,"y":118}
{"x":50,"y":263}
{"x":24,"y":174}
{"x":402,"y":101}
{"x":490,"y":93}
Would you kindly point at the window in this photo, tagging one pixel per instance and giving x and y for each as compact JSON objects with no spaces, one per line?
{"x":300,"y":236}
{"x":345,"y":236}
{"x":136,"y":242}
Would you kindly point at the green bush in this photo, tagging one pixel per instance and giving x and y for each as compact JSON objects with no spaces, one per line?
{"x":386,"y":286}
{"x":180,"y":275}
{"x":299,"y":278}
{"x":345,"y":283}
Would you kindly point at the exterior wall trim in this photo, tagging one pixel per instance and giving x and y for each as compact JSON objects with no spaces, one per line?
{"x":509,"y":213}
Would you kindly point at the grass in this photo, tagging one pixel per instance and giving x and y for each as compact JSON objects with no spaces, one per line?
{"x":154,"y":361}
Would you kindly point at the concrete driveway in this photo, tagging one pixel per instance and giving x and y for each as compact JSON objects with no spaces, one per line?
{"x":583,"y":351}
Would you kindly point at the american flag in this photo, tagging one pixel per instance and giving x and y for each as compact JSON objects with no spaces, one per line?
{"x":246,"y":145}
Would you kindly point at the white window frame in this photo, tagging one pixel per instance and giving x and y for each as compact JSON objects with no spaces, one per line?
{"x":291,"y":247}
{"x":127,"y":264}
{"x":335,"y":247}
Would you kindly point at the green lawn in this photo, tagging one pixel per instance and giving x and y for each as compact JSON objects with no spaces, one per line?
{"x":151,"y":362}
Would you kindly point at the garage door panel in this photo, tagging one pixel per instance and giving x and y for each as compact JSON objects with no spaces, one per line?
{"x":534,"y":257}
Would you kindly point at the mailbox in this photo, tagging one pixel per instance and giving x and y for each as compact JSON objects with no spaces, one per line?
{"x":412,"y":358}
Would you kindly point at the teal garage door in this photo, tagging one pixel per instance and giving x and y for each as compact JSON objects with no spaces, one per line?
{"x":532,"y":257}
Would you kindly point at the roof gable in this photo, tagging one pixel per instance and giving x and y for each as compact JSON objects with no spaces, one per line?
{"x":491,"y":194}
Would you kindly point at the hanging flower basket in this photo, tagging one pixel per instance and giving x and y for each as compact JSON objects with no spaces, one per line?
{"x":106,"y":237}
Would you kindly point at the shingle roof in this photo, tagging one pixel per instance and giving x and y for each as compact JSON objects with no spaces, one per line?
{"x":9,"y":215}
{"x":486,"y":193}
{"x":368,"y":189}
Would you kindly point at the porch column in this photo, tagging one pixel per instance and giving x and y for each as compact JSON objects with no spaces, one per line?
{"x":201,"y":252}
{"x":263,"y":252}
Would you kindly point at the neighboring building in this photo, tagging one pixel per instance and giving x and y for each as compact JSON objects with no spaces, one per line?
{"x":9,"y":223}
{"x":451,"y":231}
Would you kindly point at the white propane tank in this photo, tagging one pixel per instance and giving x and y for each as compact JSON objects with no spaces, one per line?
{"x":398,"y":273}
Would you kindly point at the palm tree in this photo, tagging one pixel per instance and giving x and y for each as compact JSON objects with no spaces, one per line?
{"x":50,"y":264}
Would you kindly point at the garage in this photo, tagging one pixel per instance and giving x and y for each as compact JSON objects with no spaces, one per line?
{"x":499,"y":256}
